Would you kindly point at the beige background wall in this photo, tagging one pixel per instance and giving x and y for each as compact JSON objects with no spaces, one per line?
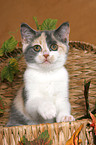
{"x":81,"y":15}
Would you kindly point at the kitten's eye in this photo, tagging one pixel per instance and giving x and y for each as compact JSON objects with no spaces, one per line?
{"x":54,"y":47}
{"x":37,"y":48}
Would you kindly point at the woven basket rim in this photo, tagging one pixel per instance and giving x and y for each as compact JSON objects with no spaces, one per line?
{"x":67,"y":123}
{"x":86,"y":43}
{"x":53,"y":128}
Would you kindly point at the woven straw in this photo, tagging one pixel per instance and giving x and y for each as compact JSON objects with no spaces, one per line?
{"x":59,"y":133}
{"x":81,"y":65}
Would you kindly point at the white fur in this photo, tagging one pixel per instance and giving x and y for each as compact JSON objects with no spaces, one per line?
{"x":47,"y":93}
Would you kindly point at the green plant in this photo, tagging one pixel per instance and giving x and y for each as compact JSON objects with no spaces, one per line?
{"x":42,"y":139}
{"x":1,"y":106}
{"x":8,"y":46}
{"x":48,"y":24}
{"x":86,"y":91}
{"x":10,"y":70}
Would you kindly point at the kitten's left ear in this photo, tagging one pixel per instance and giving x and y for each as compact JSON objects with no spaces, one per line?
{"x":62,"y":33}
{"x":27,"y":33}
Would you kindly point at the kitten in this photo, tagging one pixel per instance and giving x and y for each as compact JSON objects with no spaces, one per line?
{"x":44,"y":96}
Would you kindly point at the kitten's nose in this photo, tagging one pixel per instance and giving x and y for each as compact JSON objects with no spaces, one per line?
{"x":46,"y":55}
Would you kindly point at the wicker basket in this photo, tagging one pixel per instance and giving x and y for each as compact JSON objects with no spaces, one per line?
{"x":81,"y":65}
{"x":59,"y":133}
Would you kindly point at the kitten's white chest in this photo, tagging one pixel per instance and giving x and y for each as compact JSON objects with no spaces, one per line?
{"x":47,"y":85}
{"x":47,"y":89}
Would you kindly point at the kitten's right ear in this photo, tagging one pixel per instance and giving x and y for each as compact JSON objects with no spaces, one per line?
{"x":27,"y":33}
{"x":62,"y":33}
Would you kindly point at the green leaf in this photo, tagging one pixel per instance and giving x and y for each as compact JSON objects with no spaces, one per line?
{"x":24,"y":141}
{"x":3,"y":73}
{"x":1,"y":52}
{"x":13,"y":65}
{"x":9,"y":45}
{"x":49,"y":24}
{"x":36,"y":21}
{"x":7,"y":74}
{"x":42,"y":139}
{"x":44,"y":136}
{"x":86,"y":91}
{"x":1,"y":106}
{"x":9,"y":71}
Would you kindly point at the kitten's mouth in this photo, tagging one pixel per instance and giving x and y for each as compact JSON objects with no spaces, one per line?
{"x":46,"y":61}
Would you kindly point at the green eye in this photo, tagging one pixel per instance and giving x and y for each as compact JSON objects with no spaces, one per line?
{"x":37,"y":48}
{"x":54,"y":47}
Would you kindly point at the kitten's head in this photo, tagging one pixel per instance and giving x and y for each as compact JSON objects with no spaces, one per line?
{"x":45,"y":50}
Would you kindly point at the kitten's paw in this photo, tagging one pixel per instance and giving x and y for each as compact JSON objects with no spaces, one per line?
{"x":47,"y":110}
{"x":64,"y":118}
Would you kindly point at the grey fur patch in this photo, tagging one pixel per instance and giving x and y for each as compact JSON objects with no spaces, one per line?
{"x":24,"y":95}
{"x":16,"y":118}
{"x":30,"y":54}
{"x":28,"y":34}
{"x":49,"y":39}
{"x":62,"y":33}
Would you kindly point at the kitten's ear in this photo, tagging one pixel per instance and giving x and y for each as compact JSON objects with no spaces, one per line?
{"x":62,"y":33}
{"x":27,"y":33}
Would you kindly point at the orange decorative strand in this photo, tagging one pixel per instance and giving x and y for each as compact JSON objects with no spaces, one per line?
{"x":74,"y":139}
{"x":93,"y":122}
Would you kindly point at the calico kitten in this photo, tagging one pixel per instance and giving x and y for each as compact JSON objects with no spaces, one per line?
{"x":44,"y":96}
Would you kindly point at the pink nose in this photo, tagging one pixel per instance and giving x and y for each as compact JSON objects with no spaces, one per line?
{"x":46,"y":55}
